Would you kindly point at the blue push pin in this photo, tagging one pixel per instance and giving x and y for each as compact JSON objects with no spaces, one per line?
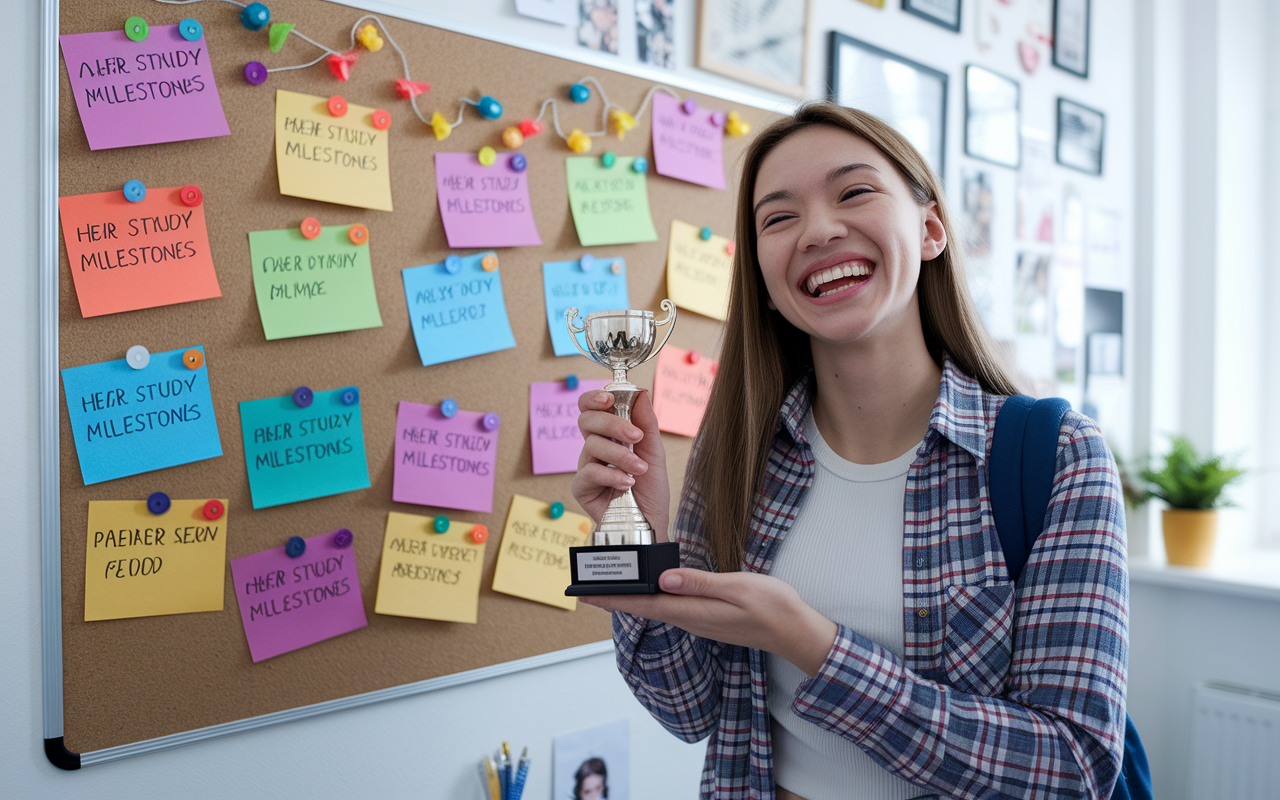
{"x":587,"y":262}
{"x":303,"y":396}
{"x":350,"y":396}
{"x":705,"y":234}
{"x":571,"y":382}
{"x":255,"y":16}
{"x":641,"y":164}
{"x":190,"y":29}
{"x":441,"y":524}
{"x":557,"y":510}
{"x":579,"y":93}
{"x":517,"y":163}
{"x":489,"y":108}
{"x":295,"y":547}
{"x":449,"y":407}
{"x":452,"y":263}
{"x":158,"y":503}
{"x":135,"y":191}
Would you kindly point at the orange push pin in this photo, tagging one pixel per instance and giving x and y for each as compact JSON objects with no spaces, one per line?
{"x":381,"y":120}
{"x":479,"y":534}
{"x":310,"y":228}
{"x":489,"y":263}
{"x":193,"y":359}
{"x":337,"y":106}
{"x":358,"y":234}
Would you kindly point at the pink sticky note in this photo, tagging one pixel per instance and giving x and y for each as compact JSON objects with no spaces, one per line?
{"x":687,"y":146}
{"x":553,"y":425}
{"x":129,"y":93}
{"x":484,"y":206}
{"x":681,"y":390}
{"x":289,"y":603}
{"x":448,"y":462}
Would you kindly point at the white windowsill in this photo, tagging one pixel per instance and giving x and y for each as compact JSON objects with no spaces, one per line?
{"x":1254,"y":574}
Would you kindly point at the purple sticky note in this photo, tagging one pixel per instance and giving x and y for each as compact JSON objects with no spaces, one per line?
{"x":484,"y":206}
{"x":289,"y":603}
{"x":448,"y":462}
{"x":688,"y":146}
{"x":129,"y":93}
{"x":553,"y":425}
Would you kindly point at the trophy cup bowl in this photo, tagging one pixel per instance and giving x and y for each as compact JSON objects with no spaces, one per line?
{"x":622,"y":557}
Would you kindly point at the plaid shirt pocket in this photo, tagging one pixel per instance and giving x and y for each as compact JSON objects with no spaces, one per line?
{"x":979,"y":642}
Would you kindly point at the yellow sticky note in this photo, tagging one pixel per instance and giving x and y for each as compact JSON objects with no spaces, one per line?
{"x":533,"y":558}
{"x":140,"y":564}
{"x":698,"y":271}
{"x":335,"y":159}
{"x":429,"y":575}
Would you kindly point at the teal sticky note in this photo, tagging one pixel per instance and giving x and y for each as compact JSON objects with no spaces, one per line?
{"x":566,"y":285}
{"x":610,"y":204}
{"x":126,"y":421}
{"x":293,"y":453}
{"x":457,"y":315}
{"x":310,"y":286}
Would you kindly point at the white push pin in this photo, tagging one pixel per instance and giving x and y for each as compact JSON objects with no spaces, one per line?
{"x":137,"y":357}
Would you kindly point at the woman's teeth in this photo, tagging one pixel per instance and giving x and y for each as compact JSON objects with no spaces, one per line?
{"x":817,"y":279}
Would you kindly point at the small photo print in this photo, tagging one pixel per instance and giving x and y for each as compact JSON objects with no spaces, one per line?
{"x":593,"y":763}
{"x":598,"y":25}
{"x":655,"y":33}
{"x":1032,"y":293}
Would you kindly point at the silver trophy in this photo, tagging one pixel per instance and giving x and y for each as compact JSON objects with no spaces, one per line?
{"x":622,"y":557}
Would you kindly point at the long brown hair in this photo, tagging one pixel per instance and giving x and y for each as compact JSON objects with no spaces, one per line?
{"x":763,"y":355}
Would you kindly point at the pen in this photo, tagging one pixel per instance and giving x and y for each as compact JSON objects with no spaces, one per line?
{"x":495,"y":791}
{"x":504,"y":771}
{"x":517,"y":788}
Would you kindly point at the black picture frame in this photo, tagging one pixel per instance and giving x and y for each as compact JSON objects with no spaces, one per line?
{"x":989,"y":132}
{"x":932,"y":10}
{"x":841,"y":47}
{"x":1071,"y":36}
{"x":1082,"y":136}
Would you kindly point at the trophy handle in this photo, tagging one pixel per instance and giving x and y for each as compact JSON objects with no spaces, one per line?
{"x":670,"y":322}
{"x":569,"y":315}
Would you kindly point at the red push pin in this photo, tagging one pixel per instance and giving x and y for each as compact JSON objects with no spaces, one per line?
{"x":310,"y":228}
{"x":213,"y":510}
{"x":381,"y":120}
{"x":693,"y":357}
{"x":340,"y":64}
{"x":337,"y":106}
{"x":408,"y":89}
{"x":190,"y":195}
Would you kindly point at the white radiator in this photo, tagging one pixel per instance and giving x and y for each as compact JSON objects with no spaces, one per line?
{"x":1235,"y":744}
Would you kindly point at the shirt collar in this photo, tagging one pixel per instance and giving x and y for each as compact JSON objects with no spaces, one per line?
{"x":958,"y":415}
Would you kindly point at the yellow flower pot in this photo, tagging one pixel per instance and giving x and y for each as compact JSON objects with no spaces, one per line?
{"x":1188,"y":536}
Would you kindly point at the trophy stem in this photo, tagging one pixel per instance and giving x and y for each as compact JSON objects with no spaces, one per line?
{"x":623,"y":522}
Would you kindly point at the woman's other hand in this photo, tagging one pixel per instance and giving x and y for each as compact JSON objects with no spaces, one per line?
{"x":605,"y":438}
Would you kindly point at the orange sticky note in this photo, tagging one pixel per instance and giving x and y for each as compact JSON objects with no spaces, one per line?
{"x":681,"y":389}
{"x":125,"y":256}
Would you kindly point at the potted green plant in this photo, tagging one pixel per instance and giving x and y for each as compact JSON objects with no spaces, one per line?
{"x":1192,"y":488}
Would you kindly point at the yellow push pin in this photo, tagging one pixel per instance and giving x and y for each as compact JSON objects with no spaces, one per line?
{"x":441,"y":128}
{"x":487,"y":156}
{"x":735,"y":126}
{"x":622,"y":122}
{"x":369,"y":37}
{"x":578,"y":141}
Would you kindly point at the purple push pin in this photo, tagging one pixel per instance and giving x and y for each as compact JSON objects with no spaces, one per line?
{"x":717,"y":119}
{"x":255,"y":73}
{"x":342,"y":538}
{"x":690,"y":106}
{"x":491,"y":421}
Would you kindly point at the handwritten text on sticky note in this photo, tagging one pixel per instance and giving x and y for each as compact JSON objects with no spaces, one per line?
{"x":688,"y":146}
{"x":126,"y":421}
{"x":125,"y":256}
{"x":699,"y":272}
{"x":130,"y":93}
{"x":429,"y":575}
{"x":139,"y":564}
{"x":484,"y":206}
{"x":340,"y":160}
{"x":297,"y":453}
{"x":449,"y":462}
{"x":681,"y":390}
{"x":457,"y":315}
{"x":289,"y":603}
{"x":309,"y":286}
{"x":566,"y":285}
{"x":553,"y":425}
{"x":610,"y":205}
{"x":533,"y":557}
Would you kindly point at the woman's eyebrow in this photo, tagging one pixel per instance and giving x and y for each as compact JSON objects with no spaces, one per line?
{"x":781,"y":194}
{"x":840,"y":172}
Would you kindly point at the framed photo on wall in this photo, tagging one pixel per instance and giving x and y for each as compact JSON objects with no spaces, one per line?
{"x":1081,"y":134}
{"x":909,"y":96}
{"x":992,"y":126}
{"x":761,"y":42}
{"x":940,"y":12}
{"x":1071,"y":36}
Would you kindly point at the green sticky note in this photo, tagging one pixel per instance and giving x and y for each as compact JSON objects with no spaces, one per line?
{"x":610,"y":204}
{"x":309,"y":286}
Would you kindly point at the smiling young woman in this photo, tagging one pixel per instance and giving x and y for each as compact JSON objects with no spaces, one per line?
{"x":843,"y":622}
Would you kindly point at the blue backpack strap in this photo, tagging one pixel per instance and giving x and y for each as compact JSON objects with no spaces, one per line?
{"x":1024,"y":455}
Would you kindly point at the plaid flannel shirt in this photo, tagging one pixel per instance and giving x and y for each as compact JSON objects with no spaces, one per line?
{"x":1001,"y":692}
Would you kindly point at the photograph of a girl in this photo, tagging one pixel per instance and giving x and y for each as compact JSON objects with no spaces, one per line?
{"x":844,"y":624}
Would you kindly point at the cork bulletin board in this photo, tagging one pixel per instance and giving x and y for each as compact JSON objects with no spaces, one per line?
{"x":128,"y":685}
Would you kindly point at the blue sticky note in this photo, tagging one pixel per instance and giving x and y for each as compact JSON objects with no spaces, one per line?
{"x":126,"y":421}
{"x":457,"y":315}
{"x":293,"y":453}
{"x":567,"y":285}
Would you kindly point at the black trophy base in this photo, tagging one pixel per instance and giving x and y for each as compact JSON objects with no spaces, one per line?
{"x":620,"y":568}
